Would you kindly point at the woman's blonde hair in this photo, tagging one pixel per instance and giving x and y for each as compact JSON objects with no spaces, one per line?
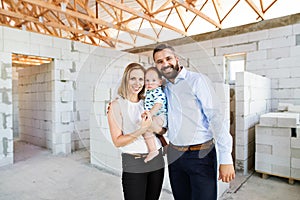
{"x":123,"y":89}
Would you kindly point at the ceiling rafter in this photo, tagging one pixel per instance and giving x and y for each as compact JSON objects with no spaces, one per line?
{"x":236,"y":3}
{"x":255,"y":8}
{"x":181,"y":18}
{"x":199,"y":13}
{"x":106,"y":22}
{"x":217,"y":8}
{"x":142,"y":15}
{"x":85,"y":17}
{"x":57,"y":25}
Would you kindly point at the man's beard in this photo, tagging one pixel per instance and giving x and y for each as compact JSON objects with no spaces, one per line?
{"x":170,"y":72}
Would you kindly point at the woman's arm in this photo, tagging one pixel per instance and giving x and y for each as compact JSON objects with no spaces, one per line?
{"x":115,"y":126}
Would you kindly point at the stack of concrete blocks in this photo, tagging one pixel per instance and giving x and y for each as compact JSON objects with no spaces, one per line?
{"x":278,"y":145}
{"x":253,"y":98}
{"x":63,"y":124}
{"x":6,"y":131}
{"x":295,"y":145}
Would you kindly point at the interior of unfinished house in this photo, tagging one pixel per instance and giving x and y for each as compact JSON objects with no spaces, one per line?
{"x":61,"y":63}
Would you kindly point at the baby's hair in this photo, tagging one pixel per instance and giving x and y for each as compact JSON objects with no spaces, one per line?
{"x":156,"y":70}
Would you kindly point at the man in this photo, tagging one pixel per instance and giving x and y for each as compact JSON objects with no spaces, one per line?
{"x":194,"y":121}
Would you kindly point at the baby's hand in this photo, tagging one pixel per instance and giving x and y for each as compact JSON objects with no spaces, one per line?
{"x":143,"y":114}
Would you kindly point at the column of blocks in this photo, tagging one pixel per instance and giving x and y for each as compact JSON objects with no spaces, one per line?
{"x":278,"y":145}
{"x":6,"y":108}
{"x":295,"y":157}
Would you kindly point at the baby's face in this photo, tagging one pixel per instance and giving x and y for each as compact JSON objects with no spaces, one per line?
{"x":152,"y":80}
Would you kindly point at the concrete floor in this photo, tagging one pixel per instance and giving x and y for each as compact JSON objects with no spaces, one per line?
{"x":39,"y":175}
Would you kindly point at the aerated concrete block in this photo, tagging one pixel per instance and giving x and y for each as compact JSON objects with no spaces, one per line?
{"x":273,"y":131}
{"x":295,"y":163}
{"x":295,"y":173}
{"x":295,"y":143}
{"x":281,"y":170}
{"x":283,"y":106}
{"x":294,"y":108}
{"x":279,"y":119}
{"x":65,"y":75}
{"x":264,"y":148}
{"x":298,"y":132}
{"x":274,"y":160}
{"x":295,"y":153}
{"x":65,"y":117}
{"x":66,"y":96}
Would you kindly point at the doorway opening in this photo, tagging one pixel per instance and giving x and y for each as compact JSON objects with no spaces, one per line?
{"x":233,"y":63}
{"x":31,"y":98}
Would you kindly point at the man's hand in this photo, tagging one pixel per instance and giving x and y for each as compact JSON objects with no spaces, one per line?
{"x":226,"y":172}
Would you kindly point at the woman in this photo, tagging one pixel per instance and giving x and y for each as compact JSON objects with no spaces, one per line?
{"x":140,"y":180}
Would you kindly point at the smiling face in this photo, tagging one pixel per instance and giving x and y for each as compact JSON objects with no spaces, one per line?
{"x":152,"y":80}
{"x":167,"y":63}
{"x":135,"y":83}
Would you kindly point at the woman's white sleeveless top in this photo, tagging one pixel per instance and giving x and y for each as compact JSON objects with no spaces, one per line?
{"x":131,"y":119}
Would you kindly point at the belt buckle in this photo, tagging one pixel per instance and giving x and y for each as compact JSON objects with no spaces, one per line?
{"x":182,"y":148}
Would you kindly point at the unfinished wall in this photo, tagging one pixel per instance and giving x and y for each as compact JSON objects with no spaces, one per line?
{"x":56,"y":102}
{"x":35,"y":105}
{"x":253,"y":98}
{"x":6,"y":132}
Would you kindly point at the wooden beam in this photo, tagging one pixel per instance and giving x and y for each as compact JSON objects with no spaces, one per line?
{"x":230,"y":10}
{"x":181,"y":19}
{"x":59,"y":26}
{"x":217,"y":8}
{"x":145,"y":7}
{"x":162,"y":7}
{"x":142,"y":15}
{"x":87,"y":18}
{"x":255,"y":8}
{"x":265,"y":10}
{"x":199,"y":13}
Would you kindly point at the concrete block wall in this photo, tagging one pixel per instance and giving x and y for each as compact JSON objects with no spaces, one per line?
{"x":6,"y":111}
{"x":75,"y":71}
{"x":34,"y":109}
{"x":253,"y":98}
{"x":272,"y":53}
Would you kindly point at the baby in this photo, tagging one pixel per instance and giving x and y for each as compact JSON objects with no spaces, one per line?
{"x":156,"y":103}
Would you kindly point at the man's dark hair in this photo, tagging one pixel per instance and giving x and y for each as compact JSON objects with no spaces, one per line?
{"x":161,"y":47}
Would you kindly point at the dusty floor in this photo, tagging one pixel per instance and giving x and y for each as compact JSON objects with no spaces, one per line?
{"x":39,"y":175}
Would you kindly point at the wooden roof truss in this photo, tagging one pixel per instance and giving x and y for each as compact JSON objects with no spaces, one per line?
{"x":107,"y":22}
